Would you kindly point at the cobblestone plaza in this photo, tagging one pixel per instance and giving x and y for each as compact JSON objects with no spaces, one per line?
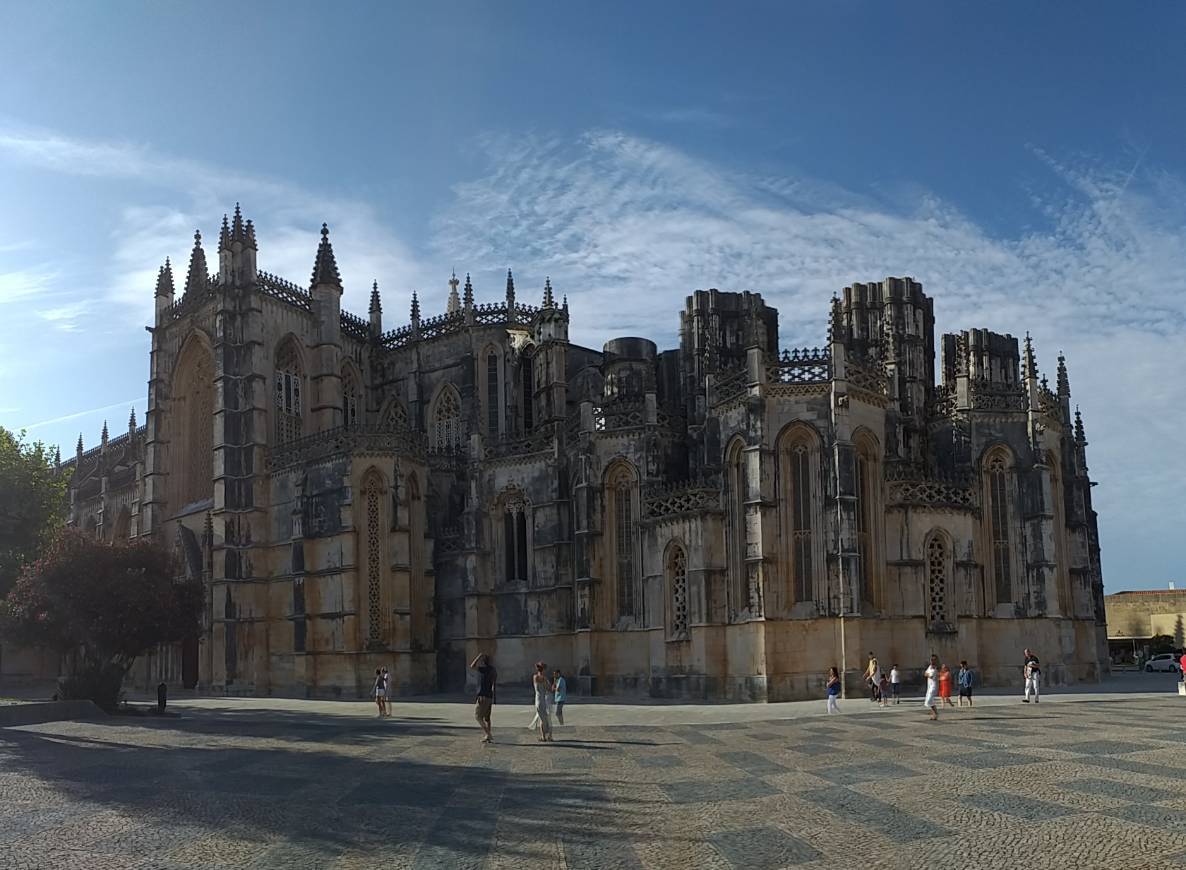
{"x":1069,"y":783}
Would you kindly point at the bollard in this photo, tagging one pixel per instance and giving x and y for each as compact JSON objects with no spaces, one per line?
{"x":162,"y":697}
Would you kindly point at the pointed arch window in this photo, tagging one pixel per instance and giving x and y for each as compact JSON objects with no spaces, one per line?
{"x":447,"y":433}
{"x":867,"y":489}
{"x":677,"y":586}
{"x":350,"y":398}
{"x":192,"y":421}
{"x":288,"y":391}
{"x":515,"y":511}
{"x":493,"y":395}
{"x":373,"y":491}
{"x":741,"y":593}
{"x":998,"y":486}
{"x":622,"y":492}
{"x":1066,"y":603}
{"x":395,"y":417}
{"x":798,"y":464}
{"x":938,"y":581}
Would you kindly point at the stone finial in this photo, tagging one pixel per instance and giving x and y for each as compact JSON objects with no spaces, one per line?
{"x":836,"y":320}
{"x":224,"y":235}
{"x":325,"y":267}
{"x":510,"y":286}
{"x":249,"y":239}
{"x":132,"y":421}
{"x":1031,"y":365}
{"x":468,"y":297}
{"x":198,"y":277}
{"x":454,"y":303}
{"x":238,"y":234}
{"x":164,"y":280}
{"x":1080,"y":437}
{"x":564,"y":304}
{"x":103,"y":436}
{"x":78,"y":449}
{"x":549,"y":299}
{"x":57,"y":456}
{"x":415,"y":308}
{"x":1064,"y":383}
{"x":376,"y":304}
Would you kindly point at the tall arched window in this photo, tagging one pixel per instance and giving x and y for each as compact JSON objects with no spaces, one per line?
{"x":527,"y":367}
{"x":1066,"y":603}
{"x":798,"y":471}
{"x":493,"y":395}
{"x":374,"y":500}
{"x":289,"y":387}
{"x":351,"y":397}
{"x":515,"y":510}
{"x":446,"y":432}
{"x":938,"y":581}
{"x":191,"y":426}
{"x":395,"y":417}
{"x":677,"y":590}
{"x":622,"y":522}
{"x":867,"y":488}
{"x":738,"y":592}
{"x":998,"y":480}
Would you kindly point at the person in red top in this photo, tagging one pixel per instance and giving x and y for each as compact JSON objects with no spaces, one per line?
{"x":945,"y":685}
{"x":1182,"y":665}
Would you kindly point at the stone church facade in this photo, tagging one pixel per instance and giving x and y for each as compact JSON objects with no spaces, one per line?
{"x":687,"y":523}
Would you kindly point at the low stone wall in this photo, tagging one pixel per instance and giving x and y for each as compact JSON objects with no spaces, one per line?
{"x":48,"y":711}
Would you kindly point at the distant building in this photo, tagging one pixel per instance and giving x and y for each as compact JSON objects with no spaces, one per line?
{"x":1135,"y":618}
{"x":686,"y":523}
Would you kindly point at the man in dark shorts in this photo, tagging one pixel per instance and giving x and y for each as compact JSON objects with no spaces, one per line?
{"x":485,"y":694}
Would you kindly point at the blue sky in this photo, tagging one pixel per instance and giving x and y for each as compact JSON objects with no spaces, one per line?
{"x":1024,"y":161}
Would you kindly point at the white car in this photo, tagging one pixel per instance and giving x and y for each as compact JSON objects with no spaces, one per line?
{"x":1163,"y":662}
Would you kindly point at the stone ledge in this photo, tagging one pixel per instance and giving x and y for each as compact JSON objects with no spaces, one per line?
{"x":12,"y":715}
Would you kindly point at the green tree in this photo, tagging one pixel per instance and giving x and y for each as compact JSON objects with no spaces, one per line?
{"x":101,"y":606}
{"x":32,"y":503}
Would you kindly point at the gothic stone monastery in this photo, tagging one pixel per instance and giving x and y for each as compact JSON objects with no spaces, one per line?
{"x":687,"y":523}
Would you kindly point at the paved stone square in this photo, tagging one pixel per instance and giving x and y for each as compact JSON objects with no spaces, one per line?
{"x":1077,"y":783}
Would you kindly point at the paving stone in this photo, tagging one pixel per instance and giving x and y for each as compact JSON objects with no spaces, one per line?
{"x":1017,"y":805}
{"x":660,"y":761}
{"x":1125,"y":791}
{"x":988,"y":759}
{"x":1165,"y":818}
{"x":871,"y":771}
{"x":1104,"y":747}
{"x":891,"y":822}
{"x":752,"y":762}
{"x":760,"y":848}
{"x":712,"y":791}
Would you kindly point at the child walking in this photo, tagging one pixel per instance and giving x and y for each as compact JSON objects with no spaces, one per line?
{"x":895,"y":683}
{"x":833,"y":690}
{"x":883,"y":694}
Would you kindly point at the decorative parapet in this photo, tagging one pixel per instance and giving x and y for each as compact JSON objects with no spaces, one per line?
{"x":692,"y":497}
{"x":1049,"y":404}
{"x":355,"y":327}
{"x":366,"y":439}
{"x":619,"y":414}
{"x":394,"y":339}
{"x":806,"y":365}
{"x":285,"y":291}
{"x":191,"y":301}
{"x":443,"y":324}
{"x":908,"y":485}
{"x":989,"y":395}
{"x":541,"y":441}
{"x":942,"y":402}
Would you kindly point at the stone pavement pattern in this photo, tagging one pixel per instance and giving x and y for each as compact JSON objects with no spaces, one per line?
{"x":1083,"y":784}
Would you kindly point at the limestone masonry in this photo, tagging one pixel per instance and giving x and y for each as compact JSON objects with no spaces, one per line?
{"x":684,"y":523}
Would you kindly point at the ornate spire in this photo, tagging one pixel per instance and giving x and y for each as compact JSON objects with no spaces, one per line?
{"x":249,"y":240}
{"x":564,"y":304}
{"x":1064,"y":383}
{"x":79,"y":447}
{"x":103,"y":436}
{"x":238,"y":234}
{"x":454,"y":300}
{"x":468,"y":297}
{"x":836,"y":320}
{"x":224,"y":235}
{"x":510,"y":286}
{"x":549,"y":300}
{"x":415,"y":308}
{"x":164,"y":280}
{"x":1031,"y":366}
{"x":325,"y":267}
{"x":57,"y":456}
{"x":1080,"y":438}
{"x":197,"y":278}
{"x":376,"y":304}
{"x":132,"y":420}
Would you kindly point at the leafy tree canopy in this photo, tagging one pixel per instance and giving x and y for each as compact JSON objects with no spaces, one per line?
{"x":102,"y":606}
{"x":32,"y":503}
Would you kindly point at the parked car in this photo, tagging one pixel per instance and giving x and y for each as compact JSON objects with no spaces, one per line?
{"x":1163,"y":662}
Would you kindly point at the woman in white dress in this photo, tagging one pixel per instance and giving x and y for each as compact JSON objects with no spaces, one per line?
{"x":542,"y":691}
{"x":932,"y":698}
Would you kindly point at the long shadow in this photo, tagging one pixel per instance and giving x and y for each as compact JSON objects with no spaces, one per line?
{"x":292,"y":805}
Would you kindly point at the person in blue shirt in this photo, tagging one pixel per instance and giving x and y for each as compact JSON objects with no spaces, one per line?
{"x":965,"y":683}
{"x":560,"y":688}
{"x":833,"y":690}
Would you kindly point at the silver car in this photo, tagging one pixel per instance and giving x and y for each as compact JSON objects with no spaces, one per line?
{"x":1163,"y":662}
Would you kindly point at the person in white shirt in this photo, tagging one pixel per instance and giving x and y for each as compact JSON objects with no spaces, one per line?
{"x":932,"y":698}
{"x":895,"y":682}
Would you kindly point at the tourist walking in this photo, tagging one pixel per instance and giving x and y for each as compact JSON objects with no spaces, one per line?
{"x":896,"y":683}
{"x":559,"y":694}
{"x":1032,"y":670}
{"x":945,"y":685}
{"x":883,"y":691}
{"x":931,"y":700}
{"x":540,"y":682}
{"x":833,"y":690}
{"x":964,"y":678}
{"x":486,"y":692}
{"x":873,"y":677}
{"x":387,"y":693}
{"x":378,"y":691}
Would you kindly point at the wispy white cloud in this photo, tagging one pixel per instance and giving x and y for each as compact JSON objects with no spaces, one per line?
{"x":126,"y":403}
{"x":627,"y":227}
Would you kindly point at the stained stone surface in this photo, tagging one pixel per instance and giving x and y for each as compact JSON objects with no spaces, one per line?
{"x":1071,"y":784}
